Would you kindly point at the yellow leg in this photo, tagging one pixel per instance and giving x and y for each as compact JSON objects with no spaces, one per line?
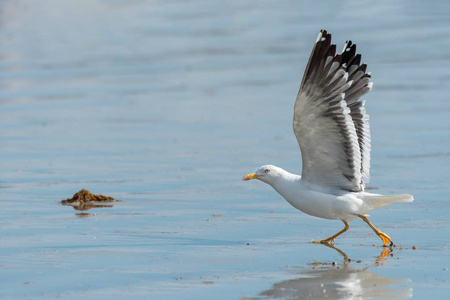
{"x":331,"y":238}
{"x":386,"y":239}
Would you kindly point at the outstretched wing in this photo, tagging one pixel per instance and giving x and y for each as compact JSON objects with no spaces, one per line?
{"x":330,"y":123}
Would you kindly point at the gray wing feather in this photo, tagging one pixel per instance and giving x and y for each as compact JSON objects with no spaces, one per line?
{"x":330,"y":123}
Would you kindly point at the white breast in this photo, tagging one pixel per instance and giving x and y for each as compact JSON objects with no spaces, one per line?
{"x":318,"y":204}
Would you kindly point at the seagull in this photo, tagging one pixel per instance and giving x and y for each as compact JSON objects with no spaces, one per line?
{"x":332,"y":129}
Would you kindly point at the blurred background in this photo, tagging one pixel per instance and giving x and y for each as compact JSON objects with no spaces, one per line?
{"x":165,"y":105}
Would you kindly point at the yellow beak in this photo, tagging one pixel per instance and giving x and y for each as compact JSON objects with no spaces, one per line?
{"x":250,"y":176}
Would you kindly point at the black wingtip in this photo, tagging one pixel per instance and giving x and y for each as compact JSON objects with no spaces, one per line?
{"x":324,"y":37}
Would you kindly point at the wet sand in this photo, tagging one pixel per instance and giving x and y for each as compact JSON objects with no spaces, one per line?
{"x":165,"y":105}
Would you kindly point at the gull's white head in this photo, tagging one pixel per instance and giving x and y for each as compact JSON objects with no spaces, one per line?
{"x":268,"y":173}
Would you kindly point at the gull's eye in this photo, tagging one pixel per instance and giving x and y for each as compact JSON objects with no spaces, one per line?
{"x":266,"y":171}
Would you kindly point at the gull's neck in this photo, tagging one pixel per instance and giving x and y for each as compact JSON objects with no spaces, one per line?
{"x":284,"y":179}
{"x":287,"y":185}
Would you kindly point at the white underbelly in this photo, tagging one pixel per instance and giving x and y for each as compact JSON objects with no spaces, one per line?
{"x":322,"y":205}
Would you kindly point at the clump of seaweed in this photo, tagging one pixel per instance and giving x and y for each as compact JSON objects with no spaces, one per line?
{"x":85,"y":200}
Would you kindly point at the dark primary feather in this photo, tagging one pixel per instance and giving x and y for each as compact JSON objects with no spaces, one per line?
{"x":330,"y":123}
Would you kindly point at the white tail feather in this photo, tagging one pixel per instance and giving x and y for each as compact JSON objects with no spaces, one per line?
{"x":379,"y":201}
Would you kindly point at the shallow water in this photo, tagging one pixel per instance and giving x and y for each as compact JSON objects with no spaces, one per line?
{"x":165,"y":105}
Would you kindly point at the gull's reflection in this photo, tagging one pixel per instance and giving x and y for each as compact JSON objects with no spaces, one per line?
{"x":327,"y":281}
{"x":384,"y":256}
